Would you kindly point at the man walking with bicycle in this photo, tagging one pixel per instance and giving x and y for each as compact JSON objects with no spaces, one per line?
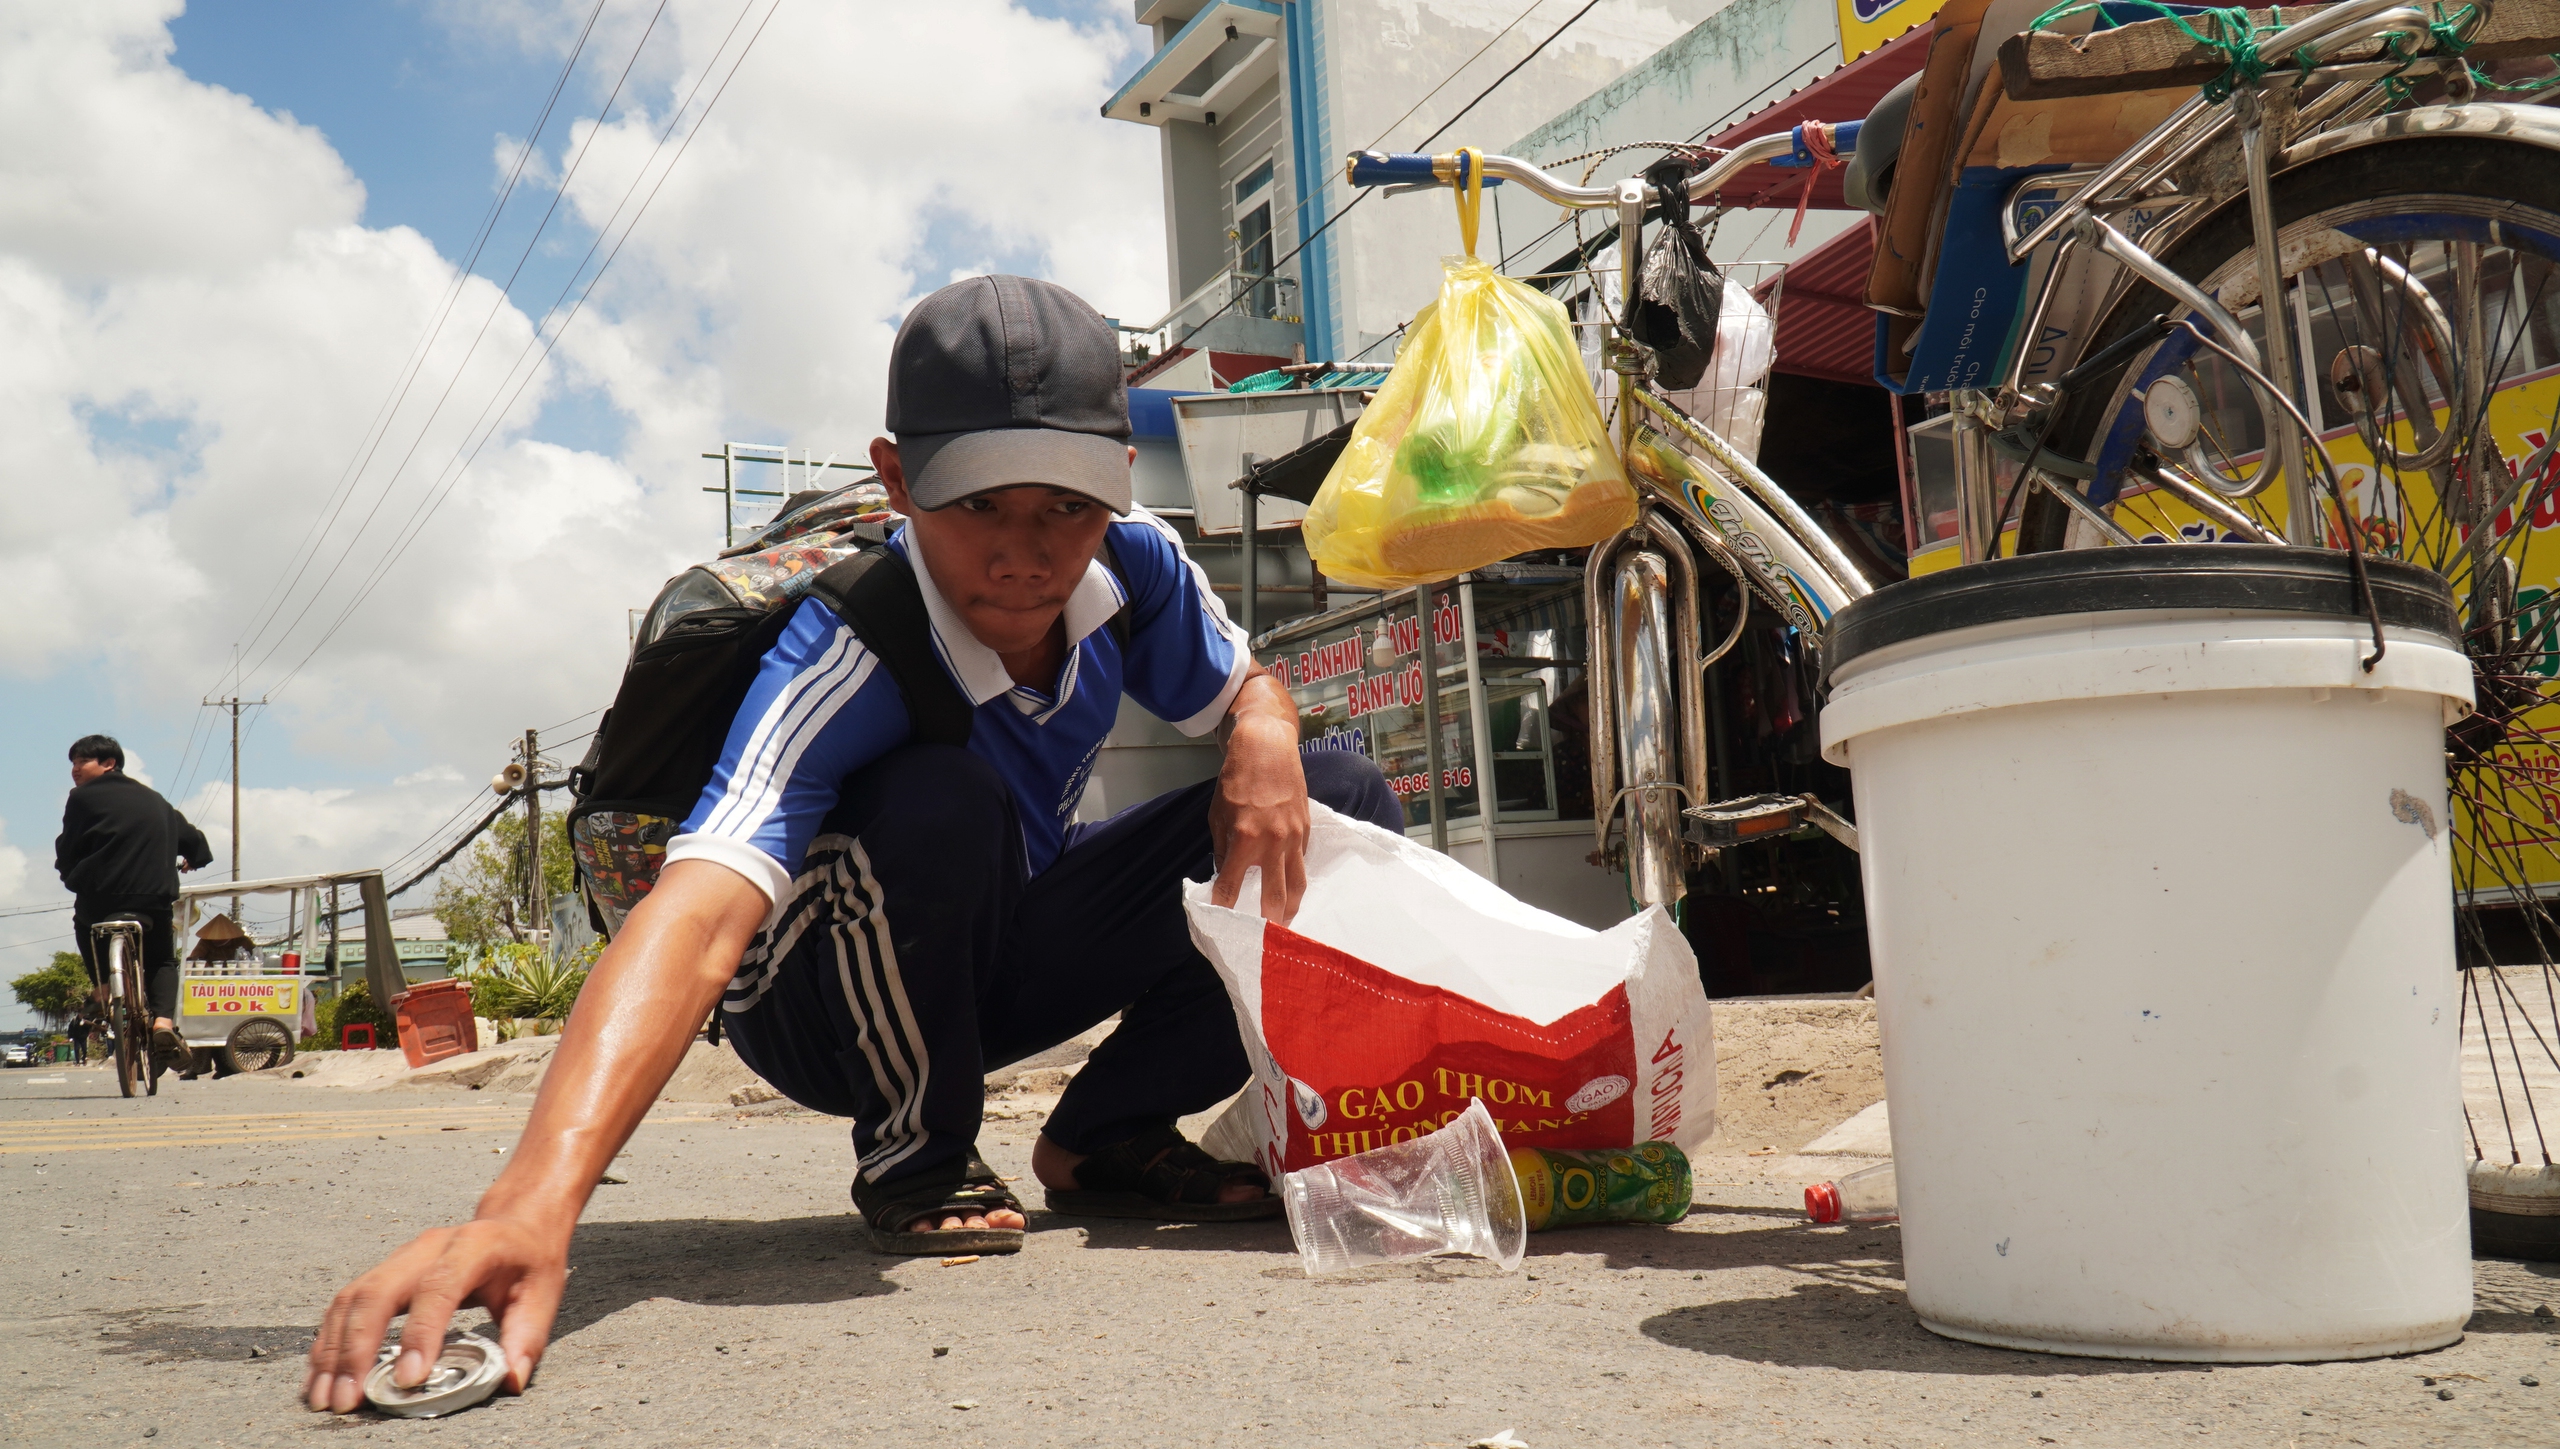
{"x":119,"y":854}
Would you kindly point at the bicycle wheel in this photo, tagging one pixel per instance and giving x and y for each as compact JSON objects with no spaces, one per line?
{"x":257,"y":1045}
{"x":131,"y":1046}
{"x":138,"y":1026}
{"x":2422,"y":287}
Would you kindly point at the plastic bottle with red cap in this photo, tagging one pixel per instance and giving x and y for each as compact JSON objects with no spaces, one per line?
{"x":1864,"y":1196}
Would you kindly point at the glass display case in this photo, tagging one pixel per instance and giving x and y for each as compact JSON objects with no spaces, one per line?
{"x":1505,"y":676}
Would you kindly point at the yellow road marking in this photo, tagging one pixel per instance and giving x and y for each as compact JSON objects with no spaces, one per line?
{"x":323,"y":1118}
{"x":75,"y":1136}
{"x":244,"y":1130}
{"x":382,"y":1114}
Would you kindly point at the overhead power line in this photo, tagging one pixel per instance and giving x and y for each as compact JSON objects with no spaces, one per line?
{"x":497,"y":304}
{"x":455,"y":849}
{"x":1424,"y":145}
{"x":475,"y":832}
{"x":437,"y":834}
{"x":325,"y":517}
{"x":1737,"y":109}
{"x":1289,"y":213}
{"x":550,"y":339}
{"x":33,"y":910}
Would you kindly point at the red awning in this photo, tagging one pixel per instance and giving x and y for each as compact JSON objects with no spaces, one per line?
{"x":1824,"y":326}
{"x":1847,"y":94}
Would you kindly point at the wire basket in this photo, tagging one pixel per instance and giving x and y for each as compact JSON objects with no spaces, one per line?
{"x":1733,"y":398}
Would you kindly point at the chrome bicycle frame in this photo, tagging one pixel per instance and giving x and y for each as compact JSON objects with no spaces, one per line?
{"x":1647,"y":692}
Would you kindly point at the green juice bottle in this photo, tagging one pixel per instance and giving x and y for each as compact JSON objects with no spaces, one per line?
{"x":1646,"y":1183}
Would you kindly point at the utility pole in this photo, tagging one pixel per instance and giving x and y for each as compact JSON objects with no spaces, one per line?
{"x":235,"y":704}
{"x":537,"y":907}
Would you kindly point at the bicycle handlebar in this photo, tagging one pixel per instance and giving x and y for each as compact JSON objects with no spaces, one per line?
{"x":1783,"y":148}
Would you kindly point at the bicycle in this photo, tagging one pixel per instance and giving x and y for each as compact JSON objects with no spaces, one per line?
{"x":2150,"y":394}
{"x":117,"y":943}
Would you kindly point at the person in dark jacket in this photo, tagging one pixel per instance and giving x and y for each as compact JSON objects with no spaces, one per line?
{"x":119,"y":854}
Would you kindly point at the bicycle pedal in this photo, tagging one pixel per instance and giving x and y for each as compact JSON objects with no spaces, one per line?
{"x":1767,"y":817}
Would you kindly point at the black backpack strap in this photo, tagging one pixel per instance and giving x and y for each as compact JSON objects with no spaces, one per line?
{"x":875,"y":593}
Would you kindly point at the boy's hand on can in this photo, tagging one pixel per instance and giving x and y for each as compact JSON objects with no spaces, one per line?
{"x":513,"y":1269}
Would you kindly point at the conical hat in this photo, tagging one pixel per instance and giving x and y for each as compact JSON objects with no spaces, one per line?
{"x":221,"y":940}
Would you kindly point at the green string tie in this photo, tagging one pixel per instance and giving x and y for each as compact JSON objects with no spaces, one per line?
{"x":2229,"y":31}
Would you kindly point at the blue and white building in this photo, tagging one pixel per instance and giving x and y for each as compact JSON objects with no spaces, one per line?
{"x":1258,"y":101}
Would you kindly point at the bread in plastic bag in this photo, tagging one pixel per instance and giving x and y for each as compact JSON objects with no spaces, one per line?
{"x":1486,"y":440}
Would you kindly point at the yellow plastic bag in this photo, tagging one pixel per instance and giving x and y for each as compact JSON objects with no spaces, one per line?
{"x":1486,"y":440}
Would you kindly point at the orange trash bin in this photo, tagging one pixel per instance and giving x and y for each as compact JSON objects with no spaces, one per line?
{"x":435,"y":1021}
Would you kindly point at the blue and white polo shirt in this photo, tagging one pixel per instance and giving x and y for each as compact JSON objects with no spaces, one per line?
{"x":823,"y":706}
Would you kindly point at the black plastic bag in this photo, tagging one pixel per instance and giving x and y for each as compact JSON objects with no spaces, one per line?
{"x":1679,"y":293}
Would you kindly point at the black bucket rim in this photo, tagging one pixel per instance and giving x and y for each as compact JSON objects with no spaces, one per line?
{"x":2241,"y":577}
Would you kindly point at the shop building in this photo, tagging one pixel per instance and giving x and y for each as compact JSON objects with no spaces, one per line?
{"x":1489,"y":668}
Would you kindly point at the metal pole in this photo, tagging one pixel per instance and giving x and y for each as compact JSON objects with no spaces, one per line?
{"x":1249,"y":515}
{"x":1631,"y":206}
{"x":728,"y":495}
{"x":2261,"y":127}
{"x":536,"y":909}
{"x":1426,"y":604}
{"x":1479,"y":723}
{"x":235,"y":804}
{"x":382,"y":974}
{"x":1977,"y":486}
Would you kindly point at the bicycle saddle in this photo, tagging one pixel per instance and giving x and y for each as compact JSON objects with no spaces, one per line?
{"x":115,"y":921}
{"x":1868,"y":180}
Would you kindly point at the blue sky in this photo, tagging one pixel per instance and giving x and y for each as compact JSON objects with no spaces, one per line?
{"x":217,"y":315}
{"x":414,"y":106}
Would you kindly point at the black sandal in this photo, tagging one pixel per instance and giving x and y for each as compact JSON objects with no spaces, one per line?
{"x":1160,"y":1175}
{"x":963,"y":1188}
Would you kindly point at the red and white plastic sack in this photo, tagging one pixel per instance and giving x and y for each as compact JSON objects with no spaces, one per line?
{"x":1409,"y":984}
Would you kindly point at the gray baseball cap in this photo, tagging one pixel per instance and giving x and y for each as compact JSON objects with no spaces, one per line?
{"x":998,"y":381}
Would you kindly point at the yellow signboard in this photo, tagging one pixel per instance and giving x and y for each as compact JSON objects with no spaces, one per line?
{"x":1866,"y":25}
{"x":244,"y":996}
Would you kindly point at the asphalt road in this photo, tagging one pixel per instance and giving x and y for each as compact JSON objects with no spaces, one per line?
{"x":166,"y":1259}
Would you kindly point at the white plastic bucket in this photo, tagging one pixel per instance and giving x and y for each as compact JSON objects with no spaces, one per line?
{"x":2158,"y":887}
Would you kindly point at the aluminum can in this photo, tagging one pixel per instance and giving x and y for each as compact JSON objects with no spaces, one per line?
{"x":468,"y":1372}
{"x":1646,"y":1183}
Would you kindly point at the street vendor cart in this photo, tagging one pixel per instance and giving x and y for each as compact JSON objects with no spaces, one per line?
{"x":252,"y":951}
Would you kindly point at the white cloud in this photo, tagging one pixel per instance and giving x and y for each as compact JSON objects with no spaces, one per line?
{"x":867,"y":153}
{"x":292,"y":830}
{"x":14,"y":871}
{"x":200,"y":329}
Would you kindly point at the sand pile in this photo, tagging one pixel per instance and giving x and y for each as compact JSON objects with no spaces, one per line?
{"x":1788,"y":1071}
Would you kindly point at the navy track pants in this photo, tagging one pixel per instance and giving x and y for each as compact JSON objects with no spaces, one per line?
{"x":916,"y":954}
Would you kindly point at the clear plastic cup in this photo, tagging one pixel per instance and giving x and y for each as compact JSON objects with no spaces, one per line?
{"x":1446,"y":1192}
